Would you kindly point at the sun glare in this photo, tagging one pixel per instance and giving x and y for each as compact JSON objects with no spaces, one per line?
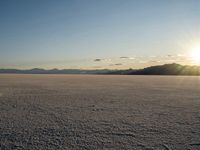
{"x":195,"y":54}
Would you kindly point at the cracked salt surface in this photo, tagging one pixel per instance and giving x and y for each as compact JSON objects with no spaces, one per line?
{"x":99,"y":112}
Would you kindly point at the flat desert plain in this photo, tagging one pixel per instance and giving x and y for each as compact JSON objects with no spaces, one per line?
{"x":99,"y":112}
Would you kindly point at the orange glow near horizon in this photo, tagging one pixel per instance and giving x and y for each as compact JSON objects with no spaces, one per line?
{"x":195,"y":54}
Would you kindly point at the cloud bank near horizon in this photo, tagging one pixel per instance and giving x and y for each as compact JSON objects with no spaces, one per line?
{"x":122,"y":62}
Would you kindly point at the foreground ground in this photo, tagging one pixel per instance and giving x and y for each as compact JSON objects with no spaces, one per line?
{"x":99,"y":112}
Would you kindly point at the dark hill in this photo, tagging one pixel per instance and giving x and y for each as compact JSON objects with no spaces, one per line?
{"x":167,"y":69}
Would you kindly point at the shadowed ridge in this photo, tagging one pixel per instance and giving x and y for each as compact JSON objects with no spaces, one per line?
{"x":169,"y":69}
{"x":166,"y":69}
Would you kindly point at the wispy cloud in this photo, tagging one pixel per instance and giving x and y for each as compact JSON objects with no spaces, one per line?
{"x":98,"y":60}
{"x":124,"y":57}
{"x":118,"y":64}
{"x":103,"y":59}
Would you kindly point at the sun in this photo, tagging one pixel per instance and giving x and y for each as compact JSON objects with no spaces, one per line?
{"x":195,"y":54}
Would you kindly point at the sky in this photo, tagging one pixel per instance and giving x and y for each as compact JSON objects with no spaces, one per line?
{"x":98,"y":34}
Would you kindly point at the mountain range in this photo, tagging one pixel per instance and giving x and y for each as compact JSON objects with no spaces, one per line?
{"x":166,"y":69}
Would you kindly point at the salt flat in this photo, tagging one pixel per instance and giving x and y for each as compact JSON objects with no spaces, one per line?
{"x":99,"y":112}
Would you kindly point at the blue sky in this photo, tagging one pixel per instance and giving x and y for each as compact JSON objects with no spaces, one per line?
{"x":73,"y":33}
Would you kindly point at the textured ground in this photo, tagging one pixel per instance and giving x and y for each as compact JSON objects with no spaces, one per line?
{"x":99,"y":112}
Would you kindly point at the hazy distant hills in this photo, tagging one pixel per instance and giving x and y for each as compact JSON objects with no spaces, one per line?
{"x":167,"y":69}
{"x":55,"y":71}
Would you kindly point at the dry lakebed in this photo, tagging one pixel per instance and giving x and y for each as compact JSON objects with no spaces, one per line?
{"x":99,"y":112}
